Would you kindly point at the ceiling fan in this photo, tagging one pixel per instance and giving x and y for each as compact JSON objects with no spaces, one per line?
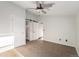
{"x":41,"y":6}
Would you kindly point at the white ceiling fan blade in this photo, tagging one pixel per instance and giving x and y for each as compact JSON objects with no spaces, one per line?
{"x":43,"y":11}
{"x":48,"y":5}
{"x":30,"y":8}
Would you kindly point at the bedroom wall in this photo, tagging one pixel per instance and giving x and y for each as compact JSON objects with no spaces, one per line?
{"x":32,"y":16}
{"x":12,"y":22}
{"x":58,"y":29}
{"x":4,"y":19}
{"x":77,"y":43}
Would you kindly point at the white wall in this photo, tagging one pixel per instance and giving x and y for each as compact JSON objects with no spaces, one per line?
{"x":77,"y":43}
{"x":4,"y":19}
{"x":32,"y":16}
{"x":63,"y":27}
{"x":12,"y":22}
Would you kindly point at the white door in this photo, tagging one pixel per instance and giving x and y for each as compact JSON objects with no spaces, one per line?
{"x":30,"y":31}
{"x":40,"y":31}
{"x":36,"y":31}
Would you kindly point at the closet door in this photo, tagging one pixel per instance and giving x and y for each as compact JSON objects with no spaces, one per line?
{"x":31,"y":31}
{"x":40,"y":31}
{"x":27,"y":30}
{"x":35,"y":30}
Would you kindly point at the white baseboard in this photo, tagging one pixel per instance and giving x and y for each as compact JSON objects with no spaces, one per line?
{"x":59,"y":43}
{"x":17,"y":45}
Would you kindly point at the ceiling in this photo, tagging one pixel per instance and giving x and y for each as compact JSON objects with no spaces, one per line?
{"x":60,"y":7}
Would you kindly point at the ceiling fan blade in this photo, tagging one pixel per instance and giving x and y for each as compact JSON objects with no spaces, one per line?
{"x":48,"y":5}
{"x":43,"y":11}
{"x":31,"y":8}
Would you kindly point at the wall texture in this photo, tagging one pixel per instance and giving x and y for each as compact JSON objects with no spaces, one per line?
{"x":12,"y":22}
{"x":59,"y":29}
